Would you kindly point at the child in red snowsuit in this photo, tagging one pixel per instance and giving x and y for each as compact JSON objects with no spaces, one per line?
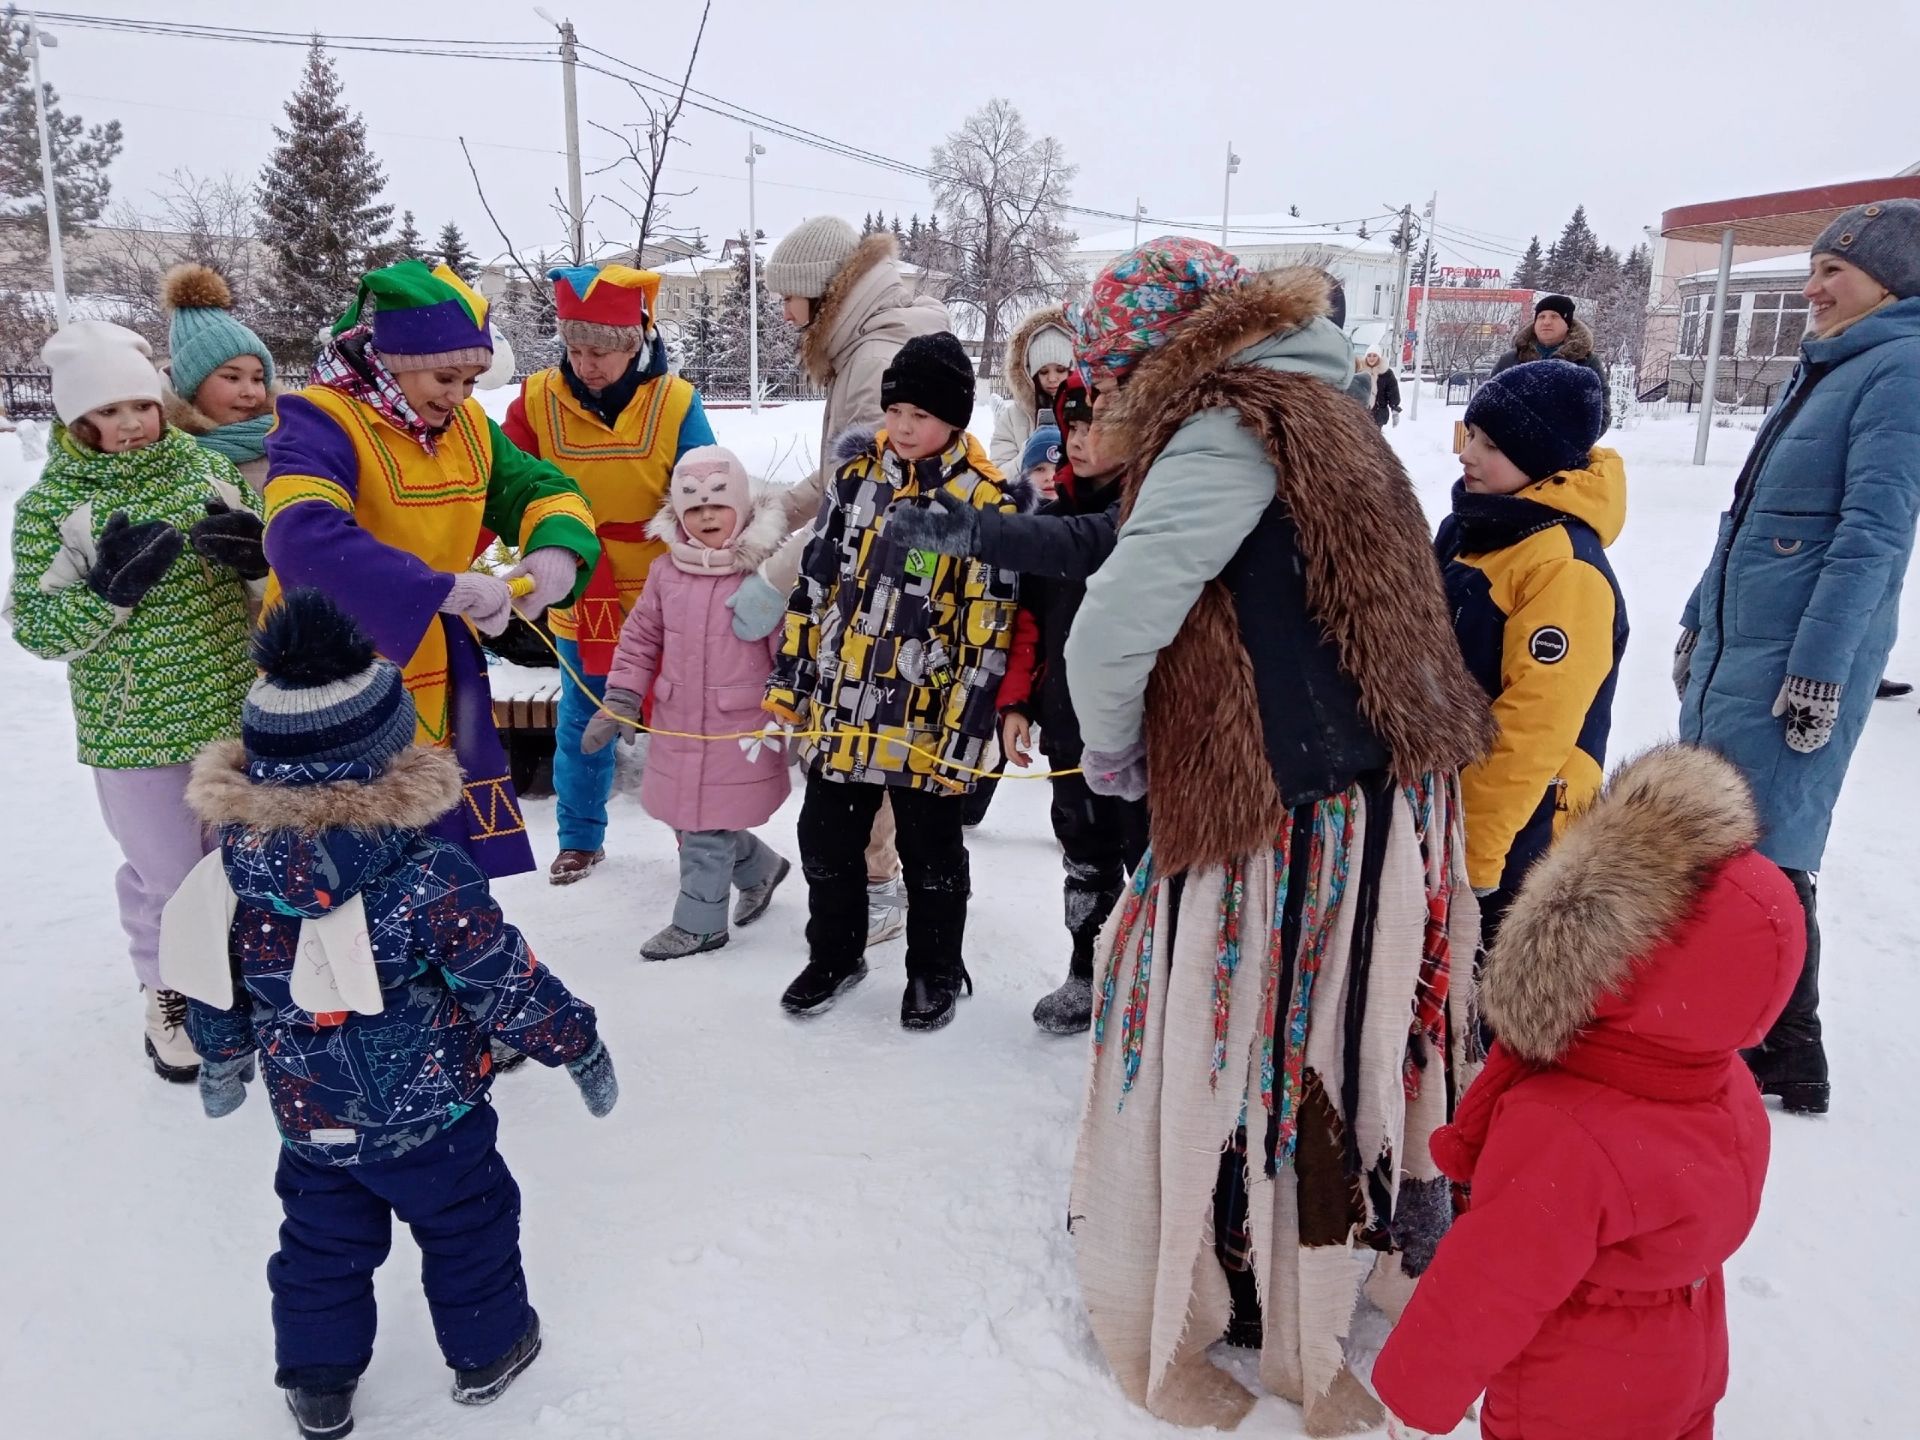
{"x":1615,"y":1144}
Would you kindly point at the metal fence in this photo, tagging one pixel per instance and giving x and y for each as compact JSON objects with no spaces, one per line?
{"x":26,"y":394}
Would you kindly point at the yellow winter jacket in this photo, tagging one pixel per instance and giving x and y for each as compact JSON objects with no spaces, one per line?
{"x":1542,"y":625}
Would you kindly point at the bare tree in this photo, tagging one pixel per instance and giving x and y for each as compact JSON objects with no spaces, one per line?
{"x":1006,"y":242}
{"x":648,"y":144}
{"x":210,"y":221}
{"x":1462,"y":334}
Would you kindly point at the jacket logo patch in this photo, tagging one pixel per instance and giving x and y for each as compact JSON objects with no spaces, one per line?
{"x":1548,"y":645}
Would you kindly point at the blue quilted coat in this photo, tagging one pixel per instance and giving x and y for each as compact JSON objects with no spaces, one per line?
{"x":1806,"y":574}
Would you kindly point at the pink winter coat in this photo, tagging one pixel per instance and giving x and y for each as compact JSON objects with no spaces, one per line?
{"x":706,"y":681}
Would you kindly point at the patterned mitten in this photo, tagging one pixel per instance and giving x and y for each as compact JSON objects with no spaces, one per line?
{"x":233,"y":538}
{"x":757,"y":609}
{"x":129,"y":559}
{"x":223,"y":1085}
{"x":1811,"y":708}
{"x":593,"y":1073}
{"x":1683,"y":661}
{"x":603,"y":728}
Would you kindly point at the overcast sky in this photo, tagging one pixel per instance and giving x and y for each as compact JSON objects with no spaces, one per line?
{"x":1514,"y":112}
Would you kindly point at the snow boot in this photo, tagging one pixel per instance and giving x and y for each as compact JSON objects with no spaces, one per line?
{"x":815,"y":989}
{"x":1791,"y":1062}
{"x":673,"y":943}
{"x":886,"y":911}
{"x":322,"y":1414}
{"x":570,"y":867}
{"x":755,"y":899}
{"x":1068,"y":1010}
{"x":930,"y":1000}
{"x":486,"y":1385}
{"x":168,"y":1047}
{"x":1245,"y":1327}
{"x":1893,"y":690}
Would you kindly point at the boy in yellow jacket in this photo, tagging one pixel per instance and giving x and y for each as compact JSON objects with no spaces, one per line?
{"x":1537,"y":611}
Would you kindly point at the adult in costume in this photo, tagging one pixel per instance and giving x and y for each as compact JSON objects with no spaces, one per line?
{"x":611,"y":417}
{"x":381,"y":476}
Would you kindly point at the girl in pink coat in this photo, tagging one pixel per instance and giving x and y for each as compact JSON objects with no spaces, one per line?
{"x":705,"y":680}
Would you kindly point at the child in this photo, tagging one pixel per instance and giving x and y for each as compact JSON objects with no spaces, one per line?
{"x":220,"y":375}
{"x":1102,"y":837}
{"x":679,"y":642}
{"x":1037,"y":359}
{"x":367,"y":964}
{"x":1615,"y":1144}
{"x":1536,"y":609}
{"x":1040,"y":463}
{"x":132,"y":559}
{"x":897,"y":655}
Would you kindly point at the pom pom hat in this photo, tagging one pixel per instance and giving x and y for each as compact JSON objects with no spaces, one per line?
{"x":325,"y":706}
{"x":607,"y":307}
{"x":202,"y":334}
{"x":422,"y":319}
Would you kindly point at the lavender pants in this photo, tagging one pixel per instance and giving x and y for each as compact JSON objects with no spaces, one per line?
{"x":161,"y":839}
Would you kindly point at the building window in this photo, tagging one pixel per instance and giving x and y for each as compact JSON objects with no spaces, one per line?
{"x":1376,"y":292}
{"x":1696,"y":324}
{"x":1779,"y":324}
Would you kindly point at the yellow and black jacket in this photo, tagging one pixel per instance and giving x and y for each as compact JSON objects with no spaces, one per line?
{"x":897,"y":653}
{"x":1542,"y":626}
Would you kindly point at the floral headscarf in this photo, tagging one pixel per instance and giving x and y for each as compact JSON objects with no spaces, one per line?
{"x":1138,"y":299}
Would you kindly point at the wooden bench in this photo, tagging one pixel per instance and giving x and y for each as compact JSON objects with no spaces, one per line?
{"x":526,"y":711}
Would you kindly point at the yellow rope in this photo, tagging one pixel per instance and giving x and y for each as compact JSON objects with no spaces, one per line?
{"x":859,"y":733}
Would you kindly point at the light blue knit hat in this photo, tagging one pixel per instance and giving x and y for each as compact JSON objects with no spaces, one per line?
{"x":203,"y":335}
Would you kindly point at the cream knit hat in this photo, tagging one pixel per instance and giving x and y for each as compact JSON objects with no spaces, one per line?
{"x":94,"y":364}
{"x":804,"y":262}
{"x":1050,"y":345}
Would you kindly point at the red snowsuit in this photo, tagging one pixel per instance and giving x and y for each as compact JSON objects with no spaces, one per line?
{"x":1615,"y":1163}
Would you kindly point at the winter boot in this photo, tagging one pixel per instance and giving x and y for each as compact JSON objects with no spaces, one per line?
{"x":485,"y":1385}
{"x":322,"y":1414}
{"x":886,"y":911}
{"x":815,"y":989}
{"x":1791,"y":1062}
{"x":1245,"y":1328}
{"x":755,"y":899}
{"x":1068,"y":1010}
{"x":168,"y":1047}
{"x":570,"y":867}
{"x":673,"y":943}
{"x":1893,"y":690}
{"x":930,"y":1000}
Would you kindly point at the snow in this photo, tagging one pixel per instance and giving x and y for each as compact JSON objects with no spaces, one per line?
{"x":1797,"y":265}
{"x":831,"y":1229}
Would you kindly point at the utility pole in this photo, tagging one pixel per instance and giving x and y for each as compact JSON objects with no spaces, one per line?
{"x":1226,"y":195}
{"x":754,"y":151}
{"x":1405,"y":244}
{"x":1426,"y":309}
{"x":1139,"y":214}
{"x":56,"y":258}
{"x":576,"y":206}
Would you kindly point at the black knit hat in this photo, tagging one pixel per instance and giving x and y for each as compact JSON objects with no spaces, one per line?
{"x":933,"y":372}
{"x":1545,"y":415}
{"x":1559,"y":304}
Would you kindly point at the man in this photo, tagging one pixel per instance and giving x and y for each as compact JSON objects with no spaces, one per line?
{"x":1556,"y":335}
{"x":613,"y":420}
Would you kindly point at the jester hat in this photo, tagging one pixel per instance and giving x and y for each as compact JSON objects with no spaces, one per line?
{"x":422,"y":319}
{"x":606,"y":307}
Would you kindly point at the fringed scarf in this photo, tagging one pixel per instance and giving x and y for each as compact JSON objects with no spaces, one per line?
{"x":353,"y":367}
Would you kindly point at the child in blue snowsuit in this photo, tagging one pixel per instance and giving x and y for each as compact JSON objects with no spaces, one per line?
{"x":368,"y":967}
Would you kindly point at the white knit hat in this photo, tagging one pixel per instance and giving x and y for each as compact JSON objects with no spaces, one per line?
{"x":94,"y":364}
{"x":1050,"y":345}
{"x":810,"y":256}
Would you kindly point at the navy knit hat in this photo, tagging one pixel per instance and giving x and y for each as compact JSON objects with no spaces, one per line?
{"x":325,"y":706}
{"x":1043,"y":448}
{"x":933,"y":372}
{"x":1546,"y":416}
{"x":1883,"y":239}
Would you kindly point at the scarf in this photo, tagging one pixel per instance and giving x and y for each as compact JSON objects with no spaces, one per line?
{"x":1493,"y":522}
{"x":610,"y":404}
{"x":241,"y":441}
{"x":353,"y":367}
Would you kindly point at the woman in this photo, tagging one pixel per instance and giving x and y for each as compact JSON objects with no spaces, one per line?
{"x":1273,"y":1037}
{"x":219,"y":373}
{"x":1786,"y":636}
{"x":1385,"y":404}
{"x":1555,"y":334}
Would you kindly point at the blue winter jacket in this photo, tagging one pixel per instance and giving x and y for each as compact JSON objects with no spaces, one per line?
{"x":347,"y":1087}
{"x":1806,"y":573}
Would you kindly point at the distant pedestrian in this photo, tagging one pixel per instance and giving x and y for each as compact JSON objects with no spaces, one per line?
{"x":1555,"y":333}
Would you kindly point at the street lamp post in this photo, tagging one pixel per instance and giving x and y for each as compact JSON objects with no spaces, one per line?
{"x":754,"y":151}
{"x":1139,"y":214}
{"x":56,"y":259}
{"x":1226,"y":195}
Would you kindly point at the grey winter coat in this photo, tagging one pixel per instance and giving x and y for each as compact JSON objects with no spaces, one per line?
{"x":1806,"y":573}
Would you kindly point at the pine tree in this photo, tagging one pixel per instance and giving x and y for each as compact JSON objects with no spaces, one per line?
{"x":1361,"y":233}
{"x":81,"y":155}
{"x":408,"y":244}
{"x":866,"y":225}
{"x":1294,"y":211}
{"x":1573,"y":254}
{"x":454,"y":254}
{"x":915,"y":242}
{"x":702,"y":336}
{"x":898,"y":233}
{"x":731,"y":345}
{"x":1532,"y":264}
{"x":321,"y":215}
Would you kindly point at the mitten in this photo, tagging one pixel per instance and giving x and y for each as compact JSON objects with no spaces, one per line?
{"x":483,"y":599}
{"x":223,"y":1085}
{"x":554,"y":572}
{"x":1683,"y":660}
{"x":1811,"y":708}
{"x":232,"y":538}
{"x":1120,"y":773}
{"x":603,"y":727}
{"x":757,"y":609}
{"x":129,"y":559}
{"x":943,"y":525}
{"x":593,"y":1073}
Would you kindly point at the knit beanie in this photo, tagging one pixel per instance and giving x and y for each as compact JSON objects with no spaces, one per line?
{"x":1043,"y":447}
{"x":1139,"y":298}
{"x":604,"y":307}
{"x":1546,"y":415}
{"x":1050,"y":345}
{"x":1883,"y":239}
{"x":423,"y":319}
{"x":94,"y":364}
{"x":202,"y":334}
{"x":1559,"y":304}
{"x":712,"y":475}
{"x":933,"y":372}
{"x":325,"y":706}
{"x":809,"y":257}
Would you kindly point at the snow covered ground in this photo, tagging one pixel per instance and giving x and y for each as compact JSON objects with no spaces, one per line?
{"x":832,"y":1229}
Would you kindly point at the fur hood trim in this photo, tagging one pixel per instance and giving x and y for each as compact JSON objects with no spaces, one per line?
{"x":420,"y":786}
{"x":850,"y":444}
{"x":1577,"y":347}
{"x":816,"y":356}
{"x":1016,"y":380}
{"x":185,"y":415}
{"x":766,"y":529}
{"x":1620,"y":879}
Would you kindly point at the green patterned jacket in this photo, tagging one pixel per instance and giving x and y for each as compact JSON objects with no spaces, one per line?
{"x":152,"y":684}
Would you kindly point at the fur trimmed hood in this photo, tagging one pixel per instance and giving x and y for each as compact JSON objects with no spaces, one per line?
{"x":1016,"y":379}
{"x":1607,"y":928}
{"x":822,"y":338}
{"x":765,"y":532}
{"x":420,"y":786}
{"x":850,"y":444}
{"x":1577,"y":347}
